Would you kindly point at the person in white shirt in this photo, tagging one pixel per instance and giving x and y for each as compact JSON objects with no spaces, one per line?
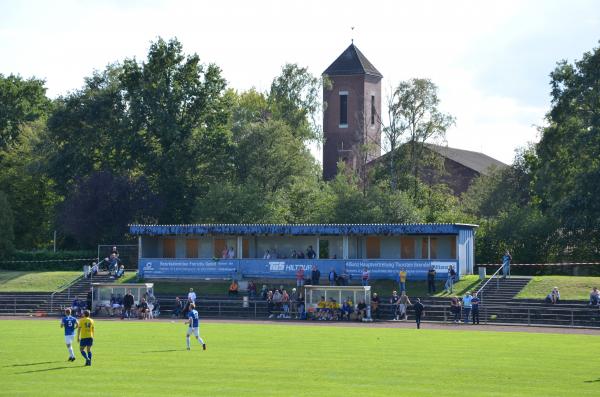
{"x":192,"y":296}
{"x":231,"y":253}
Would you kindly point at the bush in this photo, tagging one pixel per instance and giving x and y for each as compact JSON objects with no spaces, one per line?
{"x":61,"y":260}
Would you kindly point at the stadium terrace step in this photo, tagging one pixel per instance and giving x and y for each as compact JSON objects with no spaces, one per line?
{"x":501,"y":290}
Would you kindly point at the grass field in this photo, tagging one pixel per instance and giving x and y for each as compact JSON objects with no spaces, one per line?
{"x":569,"y":287}
{"x":150,"y":359}
{"x":11,"y":281}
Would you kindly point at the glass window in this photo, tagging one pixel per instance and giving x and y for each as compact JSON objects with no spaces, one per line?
{"x":372,"y":109}
{"x":343,"y":109}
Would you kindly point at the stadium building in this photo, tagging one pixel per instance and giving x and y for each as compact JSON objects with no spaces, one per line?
{"x":278,"y":251}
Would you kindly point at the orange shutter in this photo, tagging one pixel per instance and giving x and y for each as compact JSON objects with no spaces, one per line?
{"x":220,"y":244}
{"x":433,"y":243}
{"x":245,"y":248}
{"x":191,"y":248}
{"x":373,"y":247}
{"x":407,"y":247}
{"x":453,"y":247}
{"x":169,"y":248}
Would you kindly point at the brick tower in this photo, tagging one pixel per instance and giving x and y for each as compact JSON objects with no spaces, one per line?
{"x":351,"y":122}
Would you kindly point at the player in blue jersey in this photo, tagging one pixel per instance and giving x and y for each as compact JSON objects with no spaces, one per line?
{"x":193,"y":321}
{"x":69,"y":323}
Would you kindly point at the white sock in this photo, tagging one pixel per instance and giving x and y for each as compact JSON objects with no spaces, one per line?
{"x":71,"y":354}
{"x":188,"y":341}
{"x":200,"y":340}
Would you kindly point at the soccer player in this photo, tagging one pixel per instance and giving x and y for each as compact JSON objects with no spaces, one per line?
{"x":85,"y":337}
{"x":69,"y":323}
{"x":193,"y":321}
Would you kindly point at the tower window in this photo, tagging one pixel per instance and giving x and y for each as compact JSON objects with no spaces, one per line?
{"x":343,"y":109}
{"x":372,"y":109}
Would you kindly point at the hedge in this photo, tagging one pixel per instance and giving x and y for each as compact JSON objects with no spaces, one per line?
{"x":60,"y":260}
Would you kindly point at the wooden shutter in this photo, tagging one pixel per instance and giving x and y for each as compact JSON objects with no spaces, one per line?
{"x":191,"y":248}
{"x":169,"y":248}
{"x":407,"y":247}
{"x":373,"y":247}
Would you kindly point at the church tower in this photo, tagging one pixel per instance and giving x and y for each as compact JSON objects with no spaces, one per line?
{"x":351,"y":120}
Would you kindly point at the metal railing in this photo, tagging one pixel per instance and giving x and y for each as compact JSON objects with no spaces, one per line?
{"x":62,"y":288}
{"x":496,"y":274}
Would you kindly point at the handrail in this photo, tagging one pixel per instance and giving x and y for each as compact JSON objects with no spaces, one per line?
{"x":480,"y":290}
{"x":61,"y":289}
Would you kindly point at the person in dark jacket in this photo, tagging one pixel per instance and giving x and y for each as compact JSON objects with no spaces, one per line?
{"x":128,"y":302}
{"x":419,"y":312}
{"x":431,"y":280}
{"x":315,"y":275}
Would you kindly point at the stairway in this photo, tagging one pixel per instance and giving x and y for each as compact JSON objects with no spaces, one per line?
{"x":501,"y":291}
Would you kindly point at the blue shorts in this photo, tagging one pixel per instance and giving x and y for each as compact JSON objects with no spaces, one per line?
{"x":86,"y":342}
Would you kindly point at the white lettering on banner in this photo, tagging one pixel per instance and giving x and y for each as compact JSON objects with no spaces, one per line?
{"x":276,"y":266}
{"x":375,"y":267}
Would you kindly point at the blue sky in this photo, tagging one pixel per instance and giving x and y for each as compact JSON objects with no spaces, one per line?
{"x":491,"y":60}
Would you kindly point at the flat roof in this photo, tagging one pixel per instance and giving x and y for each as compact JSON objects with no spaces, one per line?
{"x":343,"y":229}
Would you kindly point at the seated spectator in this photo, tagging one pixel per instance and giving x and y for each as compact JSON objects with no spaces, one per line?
{"x":233,"y":288}
{"x":251,"y":290}
{"x":361,"y":310}
{"x":120,"y":272}
{"x":347,"y":309}
{"x":334,"y":309}
{"x":178,"y":307}
{"x":595,"y":297}
{"x":115,"y":306}
{"x":143,"y":309}
{"x":156,"y":310}
{"x":321,"y":308}
{"x":553,"y":297}
{"x":113,"y":264}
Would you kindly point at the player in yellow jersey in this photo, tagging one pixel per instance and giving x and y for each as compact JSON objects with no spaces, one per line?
{"x":85,"y":336}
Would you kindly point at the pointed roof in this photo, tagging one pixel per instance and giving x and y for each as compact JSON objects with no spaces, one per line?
{"x":352,"y":61}
{"x":482,"y":163}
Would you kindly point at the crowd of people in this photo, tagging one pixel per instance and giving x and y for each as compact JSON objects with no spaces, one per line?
{"x":111,"y":264}
{"x":310,"y":253}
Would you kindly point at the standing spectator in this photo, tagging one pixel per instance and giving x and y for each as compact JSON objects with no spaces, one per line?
{"x":594,"y":297}
{"x":375,"y":305}
{"x":301,"y":254}
{"x":192,"y":296}
{"x":231,"y":253}
{"x":93,"y":270}
{"x":343,"y":278}
{"x":395,"y":301}
{"x":449,"y":287}
{"x":267,"y":255}
{"x":455,"y":309}
{"x":403,"y":305}
{"x":128,"y":302}
{"x":178,"y":307}
{"x":285,"y":301}
{"x":475,"y":308}
{"x":301,"y":312}
{"x":264,"y":291}
{"x":467,"y":305}
{"x":294,"y":303}
{"x":431,"y":280}
{"x":88,"y":300}
{"x":300,"y":276}
{"x":553,"y":297}
{"x":270,"y":303}
{"x":310,"y":253}
{"x":365,"y":277}
{"x":402,"y":280}
{"x":419,"y":311}
{"x":332,"y":277}
{"x":294,"y":254}
{"x":277,"y":299}
{"x":315,"y":275}
{"x":506,"y":264}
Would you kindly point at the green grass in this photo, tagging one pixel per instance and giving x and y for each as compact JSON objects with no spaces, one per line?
{"x":11,"y":281}
{"x":569,"y":287}
{"x":149,"y":359}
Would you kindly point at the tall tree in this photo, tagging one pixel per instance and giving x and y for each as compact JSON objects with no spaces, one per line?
{"x":6,"y":227}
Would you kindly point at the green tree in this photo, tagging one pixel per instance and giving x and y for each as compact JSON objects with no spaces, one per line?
{"x":6,"y":227}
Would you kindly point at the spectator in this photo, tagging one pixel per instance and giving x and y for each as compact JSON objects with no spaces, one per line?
{"x":192,"y":296}
{"x":285,"y":301}
{"x":403,"y":305}
{"x":294,"y":254}
{"x":431,"y":280}
{"x":233,"y":288}
{"x":375,"y":305}
{"x":332,"y":277}
{"x":93,"y":270}
{"x":310,"y":253}
{"x":156,"y":309}
{"x":251,"y":290}
{"x":455,"y":309}
{"x":334,"y":309}
{"x":177,"y":307}
{"x":128,"y":302}
{"x":553,"y":297}
{"x":475,"y":308}
{"x":294,"y":303}
{"x":361,"y":310}
{"x":595,"y":297}
{"x":347,"y":309}
{"x":277,"y":299}
{"x":343,"y":278}
{"x":449,"y":287}
{"x":315,"y":275}
{"x":467,"y":303}
{"x":419,"y":311}
{"x":264,"y":291}
{"x":301,"y":254}
{"x":143,"y":309}
{"x":270,"y":303}
{"x":267,"y":255}
{"x":365,"y":277}
{"x":300,"y":276}
{"x":402,"y":279}
{"x":114,"y":251}
{"x":231,"y":253}
{"x":115,"y":306}
{"x":88,"y":300}
{"x":76,"y":307}
{"x":395,"y":301}
{"x":120,"y":272}
{"x":114,"y":263}
{"x":506,"y":264}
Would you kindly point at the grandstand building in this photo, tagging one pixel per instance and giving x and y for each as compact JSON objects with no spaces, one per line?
{"x":274,"y":251}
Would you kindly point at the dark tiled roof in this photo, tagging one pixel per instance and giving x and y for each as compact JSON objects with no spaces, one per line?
{"x":352,"y":61}
{"x":479,"y":162}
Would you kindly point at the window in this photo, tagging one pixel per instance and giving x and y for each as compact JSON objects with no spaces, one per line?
{"x":372,"y":109}
{"x":343,"y":109}
{"x":407,"y":247}
{"x":169,"y":248}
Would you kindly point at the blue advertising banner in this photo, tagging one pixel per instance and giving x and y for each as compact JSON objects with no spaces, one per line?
{"x":286,"y":268}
